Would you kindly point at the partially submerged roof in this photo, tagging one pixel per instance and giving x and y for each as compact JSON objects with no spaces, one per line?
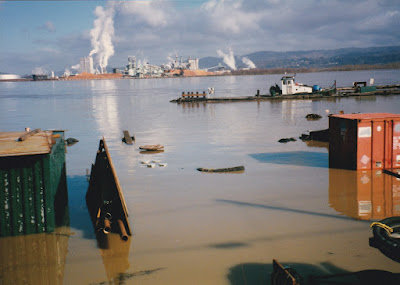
{"x":366,"y":116}
{"x":39,"y":143}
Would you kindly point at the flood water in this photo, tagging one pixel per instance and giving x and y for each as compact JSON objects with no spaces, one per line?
{"x":191,"y":227}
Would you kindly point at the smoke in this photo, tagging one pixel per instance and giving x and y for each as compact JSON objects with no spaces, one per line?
{"x":76,"y":67}
{"x":102,"y":34}
{"x":248,"y":62}
{"x":228,"y":58}
{"x":39,"y":71}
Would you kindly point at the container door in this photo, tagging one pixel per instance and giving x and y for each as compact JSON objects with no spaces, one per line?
{"x":364,"y":148}
{"x":378,"y":144}
{"x":395,"y":153}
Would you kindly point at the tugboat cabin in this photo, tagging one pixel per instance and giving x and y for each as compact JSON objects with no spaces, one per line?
{"x":290,"y":87}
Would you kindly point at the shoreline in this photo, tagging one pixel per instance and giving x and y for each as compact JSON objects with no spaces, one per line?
{"x":256,"y":71}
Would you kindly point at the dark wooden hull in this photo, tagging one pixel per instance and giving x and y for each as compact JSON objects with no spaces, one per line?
{"x":104,"y":198}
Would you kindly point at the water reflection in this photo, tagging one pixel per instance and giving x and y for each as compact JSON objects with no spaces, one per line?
{"x":34,"y":259}
{"x":114,"y":253}
{"x":364,"y":195}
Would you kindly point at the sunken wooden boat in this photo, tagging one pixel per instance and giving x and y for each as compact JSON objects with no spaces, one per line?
{"x":152,"y":147}
{"x":104,"y":198}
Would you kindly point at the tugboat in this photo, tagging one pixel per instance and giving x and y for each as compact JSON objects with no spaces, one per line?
{"x":290,"y":87}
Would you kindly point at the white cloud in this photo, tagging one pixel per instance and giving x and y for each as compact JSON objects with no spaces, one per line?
{"x":48,"y":26}
{"x":151,"y":13}
{"x":230,"y":16}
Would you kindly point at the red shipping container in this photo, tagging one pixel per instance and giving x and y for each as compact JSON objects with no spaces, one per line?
{"x":364,"y":141}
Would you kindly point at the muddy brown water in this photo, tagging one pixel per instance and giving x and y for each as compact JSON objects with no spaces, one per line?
{"x":202,"y":228}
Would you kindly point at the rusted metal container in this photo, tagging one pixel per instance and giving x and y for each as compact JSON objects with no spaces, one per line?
{"x":364,"y":141}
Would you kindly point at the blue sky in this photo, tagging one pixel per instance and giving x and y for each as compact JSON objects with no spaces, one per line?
{"x":54,"y":35}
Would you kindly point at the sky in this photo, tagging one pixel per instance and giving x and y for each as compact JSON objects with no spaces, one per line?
{"x":45,"y":36}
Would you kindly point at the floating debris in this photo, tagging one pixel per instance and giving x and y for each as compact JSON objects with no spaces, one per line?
{"x":321,"y":135}
{"x":313,"y":116}
{"x":285,"y":140}
{"x":71,"y":141}
{"x":152,"y":147}
{"x":228,"y":169}
{"x":128,"y":139}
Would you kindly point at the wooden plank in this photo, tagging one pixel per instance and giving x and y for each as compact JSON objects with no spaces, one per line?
{"x":37,"y":144}
{"x":127,"y":137}
{"x":28,"y":135}
{"x":116,"y":180}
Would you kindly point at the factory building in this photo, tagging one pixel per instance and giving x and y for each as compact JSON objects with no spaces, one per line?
{"x":191,"y":64}
{"x":86,"y":65}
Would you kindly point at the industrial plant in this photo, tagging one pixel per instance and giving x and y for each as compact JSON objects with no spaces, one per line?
{"x":136,"y":69}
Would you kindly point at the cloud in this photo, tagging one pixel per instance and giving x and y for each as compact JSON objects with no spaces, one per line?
{"x":156,"y":29}
{"x":48,"y":26}
{"x":230,"y":16}
{"x":151,"y":13}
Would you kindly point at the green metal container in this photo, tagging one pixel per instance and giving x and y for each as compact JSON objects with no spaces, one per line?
{"x":364,"y":89}
{"x":33,"y":191}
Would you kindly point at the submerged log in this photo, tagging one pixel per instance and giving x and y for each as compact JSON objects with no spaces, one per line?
{"x":228,"y":169}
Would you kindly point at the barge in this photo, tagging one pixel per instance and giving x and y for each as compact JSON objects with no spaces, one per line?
{"x":290,"y":90}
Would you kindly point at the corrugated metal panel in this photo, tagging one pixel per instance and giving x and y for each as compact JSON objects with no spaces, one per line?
{"x":29,"y":187}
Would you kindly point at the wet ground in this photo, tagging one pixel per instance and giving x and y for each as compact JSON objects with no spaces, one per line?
{"x":192,"y":227}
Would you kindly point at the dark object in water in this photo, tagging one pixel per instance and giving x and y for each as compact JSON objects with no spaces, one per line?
{"x":229,"y":169}
{"x":313,"y":116}
{"x":386,"y":237}
{"x":390,"y":172}
{"x":321,"y":135}
{"x":284,"y":275}
{"x":128,"y":139}
{"x":71,"y":141}
{"x":285,"y":140}
{"x":104,"y":198}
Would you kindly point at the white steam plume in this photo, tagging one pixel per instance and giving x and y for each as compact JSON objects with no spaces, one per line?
{"x":102,"y":34}
{"x":76,"y":67}
{"x":228,"y":58}
{"x":248,"y":62}
{"x":39,"y":71}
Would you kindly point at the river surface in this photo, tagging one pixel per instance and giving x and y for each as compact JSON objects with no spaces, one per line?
{"x":201,"y":228}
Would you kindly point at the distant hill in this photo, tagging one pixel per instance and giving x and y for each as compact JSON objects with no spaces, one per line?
{"x":313,"y":58}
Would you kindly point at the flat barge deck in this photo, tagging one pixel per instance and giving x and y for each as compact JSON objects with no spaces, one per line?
{"x":341,"y":93}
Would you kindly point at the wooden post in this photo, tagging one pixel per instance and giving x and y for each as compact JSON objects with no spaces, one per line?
{"x":127,"y":137}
